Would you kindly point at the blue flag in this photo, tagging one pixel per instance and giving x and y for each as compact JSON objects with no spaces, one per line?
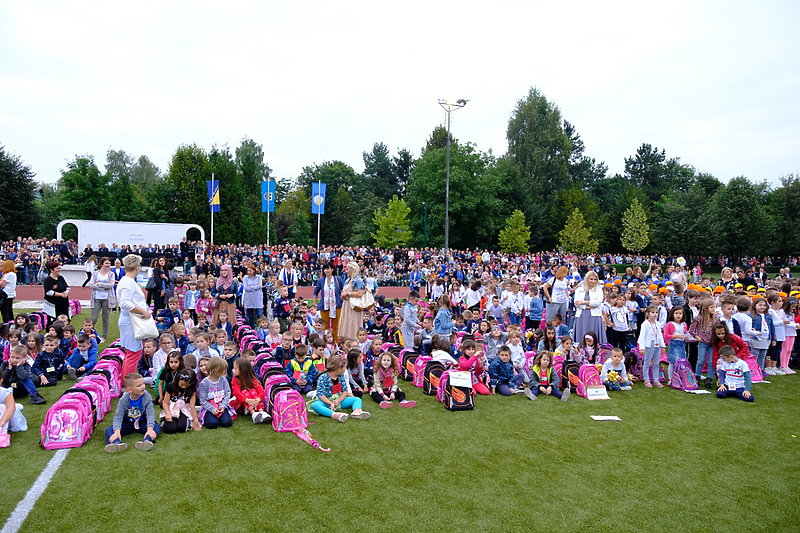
{"x":267,"y":196}
{"x":213,"y":195}
{"x":317,"y":198}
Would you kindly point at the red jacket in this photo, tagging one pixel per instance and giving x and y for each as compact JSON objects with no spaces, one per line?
{"x":736,"y":342}
{"x":250,"y":394}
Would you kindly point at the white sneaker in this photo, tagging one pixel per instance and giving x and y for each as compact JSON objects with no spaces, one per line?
{"x":626,"y":387}
{"x":258,"y":417}
{"x":361,"y":415}
{"x":778,"y":372}
{"x":565,"y":395}
{"x":312,"y":395}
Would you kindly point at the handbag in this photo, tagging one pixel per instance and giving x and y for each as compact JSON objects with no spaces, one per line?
{"x":151,"y":283}
{"x":143,"y":328}
{"x":364,"y":303}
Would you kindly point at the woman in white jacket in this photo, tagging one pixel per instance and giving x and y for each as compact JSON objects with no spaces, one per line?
{"x":589,"y":304}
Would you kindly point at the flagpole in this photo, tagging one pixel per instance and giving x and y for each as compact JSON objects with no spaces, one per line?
{"x":211,"y":205}
{"x":319,"y":213}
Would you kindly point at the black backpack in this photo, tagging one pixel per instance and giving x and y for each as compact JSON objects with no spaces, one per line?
{"x":407,"y":365}
{"x":431,"y":377}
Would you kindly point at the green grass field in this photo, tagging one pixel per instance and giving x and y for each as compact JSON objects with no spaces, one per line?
{"x":676,"y":462}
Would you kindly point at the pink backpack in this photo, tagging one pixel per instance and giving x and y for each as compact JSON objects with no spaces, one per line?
{"x":443,"y":381}
{"x":683,"y":376}
{"x":558,"y":362}
{"x":603,"y":353}
{"x":98,"y":387}
{"x":269,"y":369}
{"x":530,"y":357}
{"x":246,"y":339}
{"x":419,"y":370}
{"x":289,"y":412}
{"x":755,"y":371}
{"x":69,"y":422}
{"x":588,"y":376}
{"x":115,"y":387}
{"x":75,"y":307}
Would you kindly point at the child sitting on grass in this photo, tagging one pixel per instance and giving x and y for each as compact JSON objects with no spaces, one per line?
{"x":214,"y":394}
{"x":387,"y":385}
{"x":11,"y":417}
{"x":247,"y":392}
{"x":614,"y":375}
{"x":50,"y":363}
{"x":734,"y":376}
{"x":544,"y":379}
{"x":135,"y":414}
{"x":179,"y":411}
{"x":354,"y":373}
{"x":167,"y":375}
{"x":17,"y":376}
{"x":301,"y":371}
{"x":501,"y":373}
{"x":333,"y":394}
{"x":83,"y":358}
{"x":471,"y":360}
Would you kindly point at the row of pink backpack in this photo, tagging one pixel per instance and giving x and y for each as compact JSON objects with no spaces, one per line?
{"x":70,"y":421}
{"x":75,"y":307}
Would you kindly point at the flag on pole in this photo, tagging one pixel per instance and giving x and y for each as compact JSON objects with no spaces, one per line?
{"x":213,"y":195}
{"x":317,"y":198}
{"x":267,"y":196}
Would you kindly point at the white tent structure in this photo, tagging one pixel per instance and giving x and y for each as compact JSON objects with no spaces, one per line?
{"x":95,"y":232}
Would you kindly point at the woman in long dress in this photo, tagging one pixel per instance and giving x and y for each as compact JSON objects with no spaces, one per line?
{"x":350,"y":320}
{"x":589,"y":304}
{"x":131,"y":299}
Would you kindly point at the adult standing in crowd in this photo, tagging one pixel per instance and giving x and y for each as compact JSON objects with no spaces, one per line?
{"x":224,"y":290}
{"x":253,"y":297}
{"x":8,"y":283}
{"x":131,"y":300}
{"x":289,"y":277}
{"x":727,"y":280}
{"x":589,"y":304}
{"x":557,"y":292}
{"x":56,"y":292}
{"x":161,"y":275}
{"x":328,"y":294}
{"x":103,"y":297}
{"x":350,"y":320}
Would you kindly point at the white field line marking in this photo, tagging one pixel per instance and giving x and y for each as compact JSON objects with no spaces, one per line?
{"x":25,"y":506}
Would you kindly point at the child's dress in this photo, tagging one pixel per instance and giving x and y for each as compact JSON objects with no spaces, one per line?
{"x":239,"y":397}
{"x":677,"y":347}
{"x":217,"y":395}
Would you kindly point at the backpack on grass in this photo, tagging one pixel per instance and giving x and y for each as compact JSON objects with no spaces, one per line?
{"x":683,"y":376}
{"x":407,"y":360}
{"x":431,"y":377}
{"x":289,"y":411}
{"x":588,"y":376}
{"x":70,"y":421}
{"x":454,"y":398}
{"x":419,"y":370}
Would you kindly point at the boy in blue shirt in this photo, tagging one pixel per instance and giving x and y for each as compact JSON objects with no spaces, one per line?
{"x":135,"y":414}
{"x":83,"y":358}
{"x":50,"y":364}
{"x":169,"y":316}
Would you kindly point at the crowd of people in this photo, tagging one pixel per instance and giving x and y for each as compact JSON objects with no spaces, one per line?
{"x":515,"y":322}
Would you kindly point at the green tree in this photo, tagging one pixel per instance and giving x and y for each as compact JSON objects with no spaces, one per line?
{"x":19,"y":214}
{"x":233,"y":223}
{"x":183,"y":195}
{"x":145,"y":173}
{"x":539,"y":145}
{"x":392,"y":224}
{"x":126,"y":197}
{"x":576,"y":237}
{"x":302,"y":233}
{"x":380,"y":176}
{"x":438,"y":139}
{"x":478,"y":182}
{"x":253,"y":170}
{"x":635,"y":230}
{"x":682,"y":223}
{"x":650,"y":171}
{"x":515,"y":236}
{"x":739,"y":222}
{"x":782,"y":207}
{"x":84,"y":192}
{"x":562,"y":205}
{"x":335,"y":175}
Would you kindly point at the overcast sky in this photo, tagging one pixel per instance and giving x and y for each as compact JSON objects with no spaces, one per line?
{"x":714,"y":83}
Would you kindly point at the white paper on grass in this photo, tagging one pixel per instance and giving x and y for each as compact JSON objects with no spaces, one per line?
{"x":461,"y":379}
{"x":596,"y":393}
{"x":699,"y":391}
{"x":601,"y":418}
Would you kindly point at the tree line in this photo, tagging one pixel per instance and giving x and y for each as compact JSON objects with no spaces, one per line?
{"x":545,"y":192}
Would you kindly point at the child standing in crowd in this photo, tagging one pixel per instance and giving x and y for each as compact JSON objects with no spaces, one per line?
{"x":764,"y":329}
{"x":702,"y":330}
{"x":675,"y":334}
{"x":651,"y":340}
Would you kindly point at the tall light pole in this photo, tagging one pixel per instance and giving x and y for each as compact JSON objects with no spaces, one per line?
{"x":449,"y":108}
